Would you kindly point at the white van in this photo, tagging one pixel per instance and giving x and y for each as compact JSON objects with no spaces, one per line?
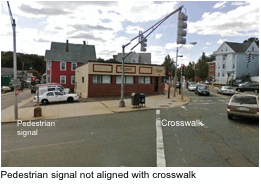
{"x":45,"y":88}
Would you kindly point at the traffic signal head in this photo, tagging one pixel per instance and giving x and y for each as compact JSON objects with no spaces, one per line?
{"x":182,"y":69}
{"x":182,"y":25}
{"x":33,"y":79}
{"x":143,"y":43}
{"x":248,"y":57}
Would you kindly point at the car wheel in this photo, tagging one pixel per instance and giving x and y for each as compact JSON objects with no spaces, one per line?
{"x":45,"y":102}
{"x":208,"y":94}
{"x":229,"y":116}
{"x":70,"y":99}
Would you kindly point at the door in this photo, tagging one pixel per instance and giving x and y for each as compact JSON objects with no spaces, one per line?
{"x":60,"y":97}
{"x":50,"y":96}
{"x":156,"y":84}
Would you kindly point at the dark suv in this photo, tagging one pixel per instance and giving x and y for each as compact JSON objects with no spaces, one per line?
{"x":249,"y":87}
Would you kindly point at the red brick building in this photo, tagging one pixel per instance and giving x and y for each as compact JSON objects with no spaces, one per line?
{"x":62,"y":60}
{"x":211,"y":70}
{"x":97,"y":79}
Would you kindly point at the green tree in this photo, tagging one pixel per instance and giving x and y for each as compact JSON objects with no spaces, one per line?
{"x":190,"y":70}
{"x":252,"y":39}
{"x":202,"y":67}
{"x":100,"y":60}
{"x":168,"y":64}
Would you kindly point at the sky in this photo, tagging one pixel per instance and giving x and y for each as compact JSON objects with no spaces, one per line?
{"x":110,"y":24}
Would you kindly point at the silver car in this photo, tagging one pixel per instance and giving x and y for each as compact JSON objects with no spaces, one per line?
{"x":226,"y":90}
{"x":192,"y":87}
{"x":243,"y":105}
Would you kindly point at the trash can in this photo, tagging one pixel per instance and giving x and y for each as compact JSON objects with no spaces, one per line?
{"x":135,"y":99}
{"x":142,"y":99}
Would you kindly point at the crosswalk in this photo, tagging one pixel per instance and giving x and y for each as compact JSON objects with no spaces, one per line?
{"x":208,"y":102}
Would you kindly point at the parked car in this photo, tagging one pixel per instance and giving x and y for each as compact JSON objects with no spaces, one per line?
{"x":5,"y":89}
{"x":52,"y":87}
{"x":242,"y":84}
{"x":226,"y":90}
{"x":237,"y":82}
{"x":244,"y":105}
{"x":55,"y":96}
{"x":202,"y":90}
{"x":248,"y":87}
{"x":192,"y":87}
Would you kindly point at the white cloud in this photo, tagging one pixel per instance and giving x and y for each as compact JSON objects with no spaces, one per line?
{"x":133,"y":30}
{"x":158,"y":36}
{"x":220,"y":41}
{"x":239,"y":3}
{"x":241,"y":21}
{"x":220,"y":5}
{"x":208,"y":43}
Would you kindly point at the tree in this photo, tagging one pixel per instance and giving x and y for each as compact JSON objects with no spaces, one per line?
{"x":190,"y":70}
{"x":100,"y":60}
{"x":168,"y":64}
{"x":252,"y":39}
{"x":202,"y":67}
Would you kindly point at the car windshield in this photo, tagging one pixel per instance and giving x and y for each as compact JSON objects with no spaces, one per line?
{"x":193,"y":84}
{"x":202,"y":87}
{"x":244,"y":99}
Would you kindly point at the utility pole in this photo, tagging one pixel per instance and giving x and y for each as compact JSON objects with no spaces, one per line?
{"x":122,"y":103}
{"x":16,"y":86}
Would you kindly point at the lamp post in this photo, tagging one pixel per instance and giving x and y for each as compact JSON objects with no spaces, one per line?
{"x":175,"y":79}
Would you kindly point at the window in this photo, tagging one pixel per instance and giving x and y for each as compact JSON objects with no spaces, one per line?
{"x":226,"y":49}
{"x":51,"y":89}
{"x":233,"y":65}
{"x":127,"y":79}
{"x":218,"y":67}
{"x":234,"y":56}
{"x":133,"y":60}
{"x":82,"y":79}
{"x":144,"y":80}
{"x":50,"y":94}
{"x":224,"y":66}
{"x":63,"y":66}
{"x":210,"y":70}
{"x":253,"y":49}
{"x":218,"y":74}
{"x":223,"y":74}
{"x":74,"y":65}
{"x":48,"y":65}
{"x":58,"y":93}
{"x":101,"y":79}
{"x":253,"y":57}
{"x":224,"y":57}
{"x":63,"y":79}
{"x":73,"y":80}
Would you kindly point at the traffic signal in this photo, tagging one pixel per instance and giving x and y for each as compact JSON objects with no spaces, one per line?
{"x":33,"y":78}
{"x":182,"y":25}
{"x":182,"y":69}
{"x":143,"y":43}
{"x":248,"y":57}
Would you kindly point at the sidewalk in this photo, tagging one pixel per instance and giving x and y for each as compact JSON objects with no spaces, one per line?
{"x":90,"y":108}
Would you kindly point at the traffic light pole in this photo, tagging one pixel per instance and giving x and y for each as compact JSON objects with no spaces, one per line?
{"x":176,"y":71}
{"x":14,"y":64}
{"x":142,"y":41}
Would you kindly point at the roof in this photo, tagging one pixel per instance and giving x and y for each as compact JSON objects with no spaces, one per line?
{"x":144,"y":58}
{"x":239,"y":47}
{"x":76,"y":52}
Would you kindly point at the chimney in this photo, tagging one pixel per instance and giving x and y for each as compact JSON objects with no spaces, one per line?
{"x":67,"y":49}
{"x":84,"y":43}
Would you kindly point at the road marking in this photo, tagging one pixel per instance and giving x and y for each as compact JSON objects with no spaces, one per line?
{"x":176,"y":135}
{"x":180,"y":149}
{"x":178,"y":141}
{"x":161,"y":162}
{"x":184,"y":107}
{"x":47,"y":145}
{"x":184,"y":159}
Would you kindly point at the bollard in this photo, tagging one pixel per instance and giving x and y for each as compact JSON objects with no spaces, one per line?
{"x":37,"y":112}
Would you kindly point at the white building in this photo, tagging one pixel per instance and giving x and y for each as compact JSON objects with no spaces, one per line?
{"x":231,"y":61}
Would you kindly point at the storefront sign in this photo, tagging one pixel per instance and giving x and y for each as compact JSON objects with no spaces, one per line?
{"x":127,"y":69}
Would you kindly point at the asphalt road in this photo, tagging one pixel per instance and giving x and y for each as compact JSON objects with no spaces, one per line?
{"x":130,"y":139}
{"x":7,"y":100}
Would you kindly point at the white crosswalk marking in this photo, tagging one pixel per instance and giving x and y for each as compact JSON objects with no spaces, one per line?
{"x":160,"y":146}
